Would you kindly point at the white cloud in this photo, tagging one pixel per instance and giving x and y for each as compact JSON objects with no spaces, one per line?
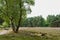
{"x":45,"y":8}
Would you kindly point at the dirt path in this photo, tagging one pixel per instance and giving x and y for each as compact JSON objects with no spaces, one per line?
{"x":2,"y":32}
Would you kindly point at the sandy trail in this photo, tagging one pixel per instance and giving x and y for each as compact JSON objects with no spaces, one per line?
{"x":3,"y":32}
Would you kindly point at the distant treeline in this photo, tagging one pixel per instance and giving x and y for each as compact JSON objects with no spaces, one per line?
{"x":39,"y":21}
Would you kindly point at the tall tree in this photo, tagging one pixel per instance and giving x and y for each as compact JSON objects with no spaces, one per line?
{"x":50,"y":18}
{"x":56,"y":21}
{"x":14,"y":11}
{"x":35,"y":22}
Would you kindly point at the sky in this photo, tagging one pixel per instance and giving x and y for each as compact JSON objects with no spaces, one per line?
{"x":45,"y":8}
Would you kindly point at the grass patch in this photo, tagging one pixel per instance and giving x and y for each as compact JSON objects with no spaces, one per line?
{"x":26,"y":35}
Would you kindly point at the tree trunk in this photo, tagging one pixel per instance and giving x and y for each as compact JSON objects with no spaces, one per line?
{"x":15,"y":29}
{"x":12,"y":24}
{"x":19,"y":22}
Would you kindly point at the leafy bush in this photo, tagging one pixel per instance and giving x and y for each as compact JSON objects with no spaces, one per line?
{"x":5,"y":24}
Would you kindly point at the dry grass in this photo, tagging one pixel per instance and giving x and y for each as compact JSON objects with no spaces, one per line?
{"x":48,"y":30}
